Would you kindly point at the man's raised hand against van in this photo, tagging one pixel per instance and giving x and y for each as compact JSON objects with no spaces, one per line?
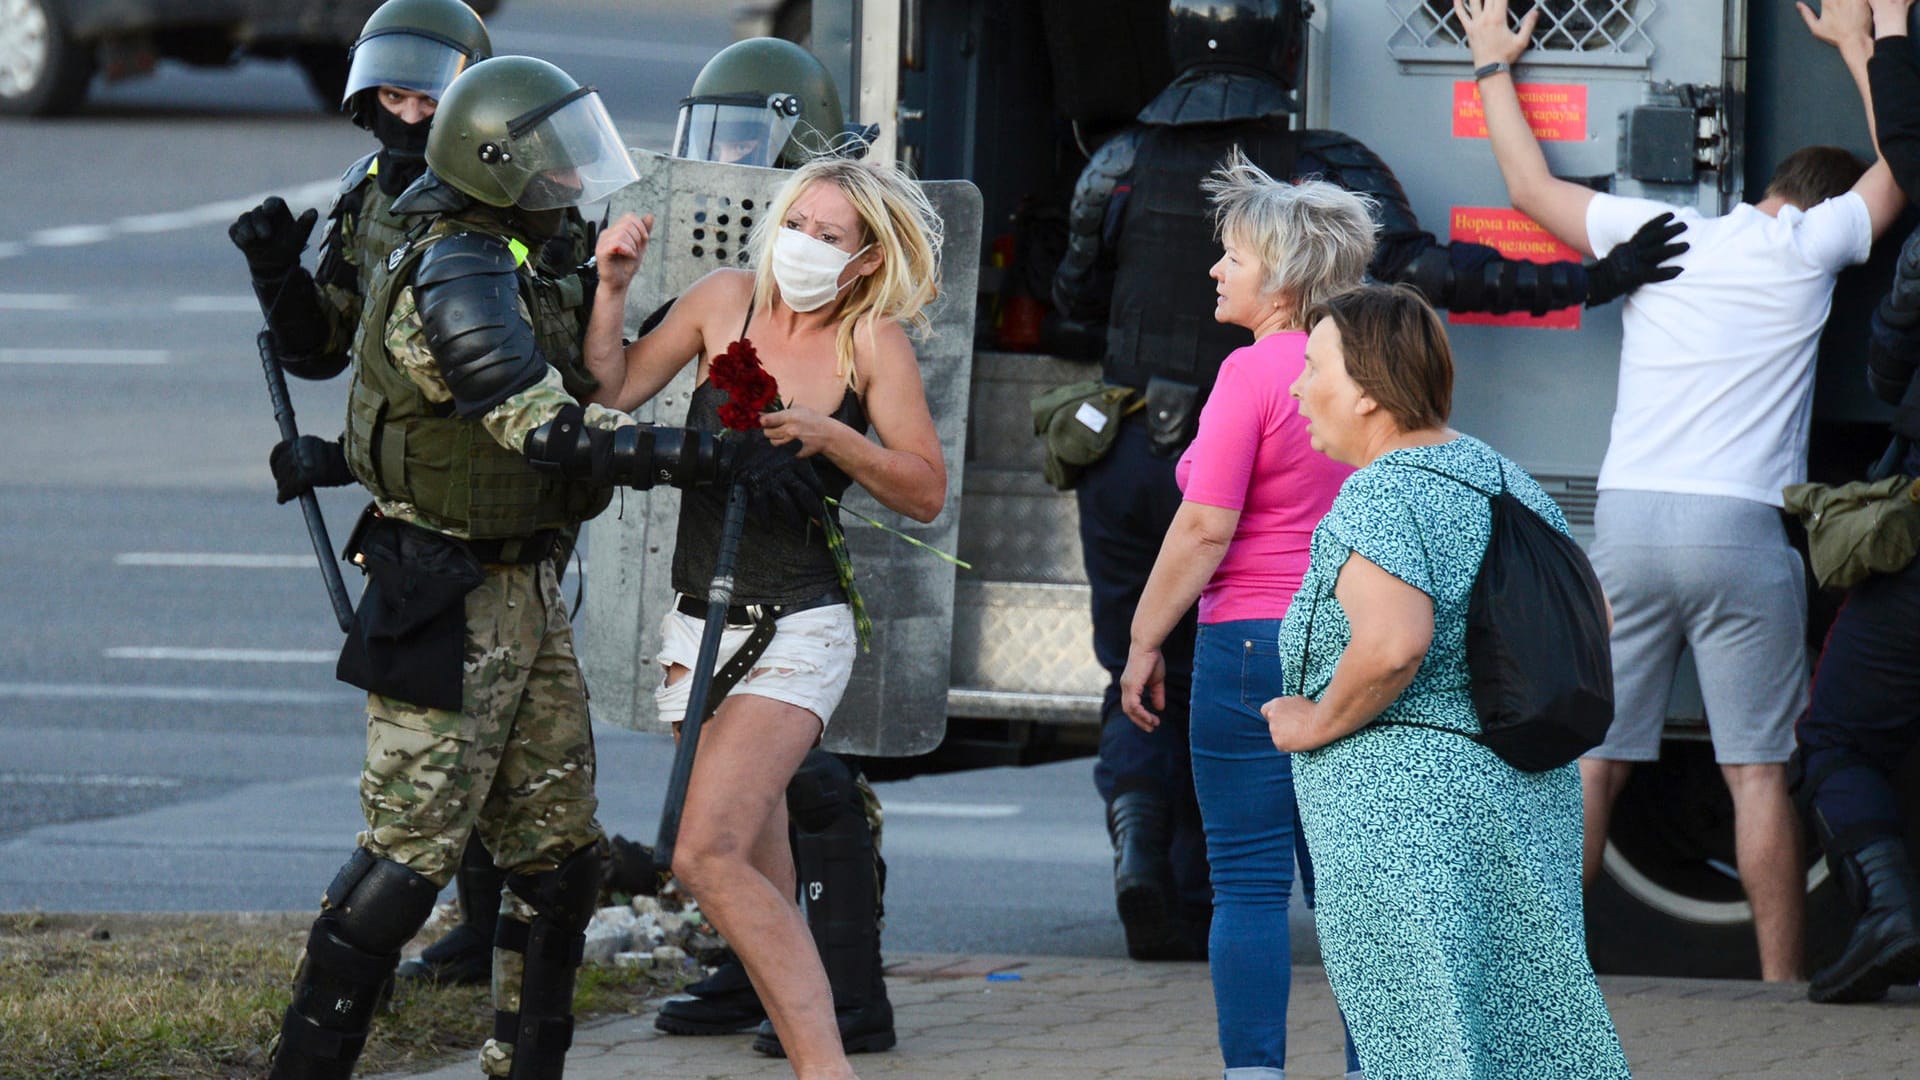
{"x":1844,"y":24}
{"x":620,"y":248}
{"x":1489,"y":36}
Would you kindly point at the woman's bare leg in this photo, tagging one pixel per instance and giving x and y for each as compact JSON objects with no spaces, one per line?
{"x":732,"y":854}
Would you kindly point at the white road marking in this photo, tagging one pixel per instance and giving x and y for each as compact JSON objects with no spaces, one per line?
{"x":232,"y":560}
{"x":242,"y":304}
{"x":71,"y":236}
{"x":315,"y":193}
{"x":62,"y":357}
{"x":198,"y":694}
{"x":222,"y":656}
{"x":38,"y":301}
{"x":86,"y":780}
{"x":899,"y":808}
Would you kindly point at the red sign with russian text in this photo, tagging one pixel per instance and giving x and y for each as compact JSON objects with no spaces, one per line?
{"x":1557,"y":112}
{"x":1516,"y":236}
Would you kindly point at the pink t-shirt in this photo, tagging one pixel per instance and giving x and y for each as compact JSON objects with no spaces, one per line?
{"x":1252,"y":455}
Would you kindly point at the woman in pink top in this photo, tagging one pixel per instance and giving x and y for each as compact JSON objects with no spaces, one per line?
{"x":1252,"y":490}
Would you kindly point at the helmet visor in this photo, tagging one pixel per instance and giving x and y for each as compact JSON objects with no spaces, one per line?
{"x":734,"y":132}
{"x":568,"y":157}
{"x":408,"y":59}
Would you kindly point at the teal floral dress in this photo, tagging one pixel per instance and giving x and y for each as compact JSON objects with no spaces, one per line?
{"x":1449,"y":882}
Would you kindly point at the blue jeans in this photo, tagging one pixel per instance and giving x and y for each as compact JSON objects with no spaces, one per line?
{"x":1252,"y":826}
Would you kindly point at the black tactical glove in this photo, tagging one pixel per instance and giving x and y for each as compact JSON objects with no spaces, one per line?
{"x":1637,"y":262}
{"x":270,"y":237}
{"x":781,"y":485}
{"x":306,"y":463}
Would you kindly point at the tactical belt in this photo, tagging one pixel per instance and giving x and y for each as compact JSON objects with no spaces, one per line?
{"x":517,"y":550}
{"x":751,"y":614}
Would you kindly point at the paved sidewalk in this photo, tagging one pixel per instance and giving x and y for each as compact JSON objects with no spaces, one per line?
{"x":965,"y":1017}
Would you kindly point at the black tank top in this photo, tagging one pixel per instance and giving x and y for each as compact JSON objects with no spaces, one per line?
{"x":779,"y":563}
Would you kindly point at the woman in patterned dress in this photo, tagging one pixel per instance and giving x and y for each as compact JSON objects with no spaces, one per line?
{"x":1449,"y":882}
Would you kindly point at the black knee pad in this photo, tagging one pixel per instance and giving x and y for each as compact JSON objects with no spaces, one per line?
{"x":377,"y":904}
{"x":821,"y":792}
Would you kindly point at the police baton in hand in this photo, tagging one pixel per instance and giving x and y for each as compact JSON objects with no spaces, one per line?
{"x":309,"y":504}
{"x":719,"y":596}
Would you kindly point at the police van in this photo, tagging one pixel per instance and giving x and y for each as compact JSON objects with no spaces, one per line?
{"x":1689,"y":103}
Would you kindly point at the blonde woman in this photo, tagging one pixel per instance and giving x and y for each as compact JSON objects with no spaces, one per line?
{"x":845,"y":258}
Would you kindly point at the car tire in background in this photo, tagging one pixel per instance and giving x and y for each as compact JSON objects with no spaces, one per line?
{"x":43,"y":72}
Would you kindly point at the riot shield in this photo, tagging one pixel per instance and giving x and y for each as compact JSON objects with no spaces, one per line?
{"x":896,"y":705}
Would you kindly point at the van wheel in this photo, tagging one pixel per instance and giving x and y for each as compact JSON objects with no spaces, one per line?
{"x":43,"y":72}
{"x":1667,"y":900}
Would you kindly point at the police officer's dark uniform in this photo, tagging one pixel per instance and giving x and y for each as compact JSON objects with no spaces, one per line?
{"x":477,"y":711}
{"x":1863,"y":721}
{"x":1141,"y":242}
{"x":769,"y":102}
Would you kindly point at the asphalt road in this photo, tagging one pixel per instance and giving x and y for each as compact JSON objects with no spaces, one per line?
{"x":171,"y":737}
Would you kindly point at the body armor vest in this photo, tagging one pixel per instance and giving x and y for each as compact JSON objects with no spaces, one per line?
{"x":1161,"y":320}
{"x":406,"y":448}
{"x":361,"y":229}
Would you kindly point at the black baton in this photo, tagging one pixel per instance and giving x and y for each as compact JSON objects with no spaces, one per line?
{"x":309,"y":504}
{"x":719,"y":596}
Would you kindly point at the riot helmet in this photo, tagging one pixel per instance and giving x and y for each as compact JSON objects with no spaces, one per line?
{"x":1258,"y":35}
{"x":417,"y":45}
{"x":517,"y":131}
{"x":761,"y":101}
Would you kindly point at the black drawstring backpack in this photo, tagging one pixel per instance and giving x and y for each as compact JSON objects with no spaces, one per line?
{"x":1537,"y":643}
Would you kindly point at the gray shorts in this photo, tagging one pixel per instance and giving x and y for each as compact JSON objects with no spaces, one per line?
{"x":1714,"y":573}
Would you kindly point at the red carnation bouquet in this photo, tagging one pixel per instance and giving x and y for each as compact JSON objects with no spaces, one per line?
{"x":750,"y":390}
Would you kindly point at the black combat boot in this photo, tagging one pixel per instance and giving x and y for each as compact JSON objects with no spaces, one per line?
{"x":866,"y":1021}
{"x":464,"y":955}
{"x":723,"y":1003}
{"x":1139,"y":823}
{"x":1884,"y":949}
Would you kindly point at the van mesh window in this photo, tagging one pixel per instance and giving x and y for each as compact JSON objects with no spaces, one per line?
{"x":1570,"y":26}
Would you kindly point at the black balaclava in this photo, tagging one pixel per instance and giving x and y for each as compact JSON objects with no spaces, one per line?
{"x":403,"y":148}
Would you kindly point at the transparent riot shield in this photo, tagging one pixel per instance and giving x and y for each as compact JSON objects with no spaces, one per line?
{"x":896,"y":704}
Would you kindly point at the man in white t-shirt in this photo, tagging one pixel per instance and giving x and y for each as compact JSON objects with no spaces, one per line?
{"x":1711,"y":421}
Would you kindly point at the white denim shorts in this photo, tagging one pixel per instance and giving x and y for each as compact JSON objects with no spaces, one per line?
{"x":807,"y":663}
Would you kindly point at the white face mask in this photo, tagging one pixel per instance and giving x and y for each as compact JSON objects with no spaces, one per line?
{"x":808,"y":270}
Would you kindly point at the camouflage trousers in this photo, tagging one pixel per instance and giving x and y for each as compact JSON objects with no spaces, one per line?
{"x":516,"y":761}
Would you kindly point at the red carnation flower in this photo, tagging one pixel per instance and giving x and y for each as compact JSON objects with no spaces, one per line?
{"x":750,"y":390}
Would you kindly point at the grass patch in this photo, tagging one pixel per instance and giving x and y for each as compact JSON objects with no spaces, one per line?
{"x":179,"y":996}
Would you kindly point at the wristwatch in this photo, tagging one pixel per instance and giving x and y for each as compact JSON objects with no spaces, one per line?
{"x":1485,"y":70}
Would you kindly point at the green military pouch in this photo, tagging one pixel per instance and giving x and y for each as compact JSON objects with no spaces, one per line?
{"x":1857,"y":530}
{"x":1078,"y":423}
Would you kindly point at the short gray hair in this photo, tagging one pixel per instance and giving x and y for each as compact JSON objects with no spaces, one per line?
{"x":1313,"y":238}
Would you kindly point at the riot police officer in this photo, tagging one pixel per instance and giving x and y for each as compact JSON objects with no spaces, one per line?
{"x":479,"y":461}
{"x":406,"y":55}
{"x":1140,"y":244}
{"x":769,"y":102}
